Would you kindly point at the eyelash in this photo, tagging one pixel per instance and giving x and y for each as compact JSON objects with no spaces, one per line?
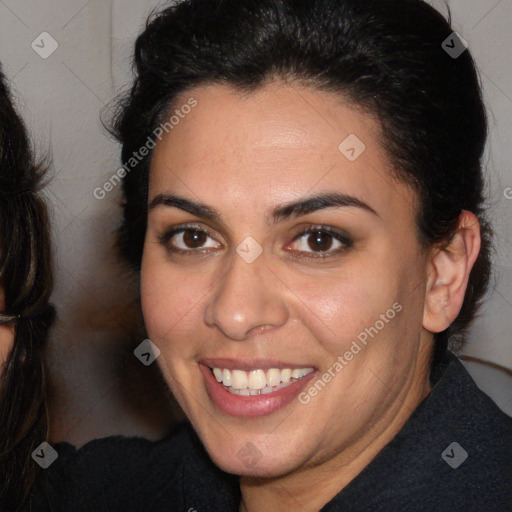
{"x":338,"y":235}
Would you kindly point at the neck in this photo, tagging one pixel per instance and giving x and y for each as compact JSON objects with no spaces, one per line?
{"x":313,"y":485}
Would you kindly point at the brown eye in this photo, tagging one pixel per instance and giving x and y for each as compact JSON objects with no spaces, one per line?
{"x":194,"y":239}
{"x":319,"y":241}
{"x":185,"y":240}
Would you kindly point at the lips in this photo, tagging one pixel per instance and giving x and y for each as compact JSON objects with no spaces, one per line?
{"x":253,"y":389}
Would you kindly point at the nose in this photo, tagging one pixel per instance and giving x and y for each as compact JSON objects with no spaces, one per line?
{"x":248,"y":298}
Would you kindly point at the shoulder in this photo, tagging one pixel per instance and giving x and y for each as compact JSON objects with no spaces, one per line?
{"x":461,"y":442}
{"x":116,"y":472}
{"x":458,"y":406}
{"x":466,"y":444}
{"x":474,"y":439}
{"x":454,"y":453}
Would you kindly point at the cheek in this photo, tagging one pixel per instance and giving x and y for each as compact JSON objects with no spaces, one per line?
{"x":171,"y":300}
{"x":6,"y":343}
{"x":340,"y":306}
{"x":6,"y":335}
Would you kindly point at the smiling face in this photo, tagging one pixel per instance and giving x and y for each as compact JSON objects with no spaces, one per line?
{"x":246,"y":311}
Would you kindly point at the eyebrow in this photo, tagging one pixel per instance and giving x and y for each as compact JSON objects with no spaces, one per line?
{"x":293,"y":209}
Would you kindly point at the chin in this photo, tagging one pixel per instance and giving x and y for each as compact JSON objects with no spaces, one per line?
{"x":252,"y":466}
{"x":241,"y":456}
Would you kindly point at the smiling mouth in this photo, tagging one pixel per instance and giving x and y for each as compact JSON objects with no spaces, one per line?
{"x":258,"y":382}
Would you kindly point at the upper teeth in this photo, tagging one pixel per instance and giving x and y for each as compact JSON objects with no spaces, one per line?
{"x":258,"y":379}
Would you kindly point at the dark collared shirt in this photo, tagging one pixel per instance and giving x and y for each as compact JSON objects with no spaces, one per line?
{"x":453,"y":454}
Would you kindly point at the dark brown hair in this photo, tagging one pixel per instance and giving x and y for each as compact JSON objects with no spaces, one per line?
{"x":27,"y":279}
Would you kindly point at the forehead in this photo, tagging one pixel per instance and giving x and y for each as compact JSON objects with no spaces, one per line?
{"x":273,"y":145}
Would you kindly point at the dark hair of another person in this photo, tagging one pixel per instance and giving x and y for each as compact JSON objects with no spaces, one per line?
{"x":27,"y":278}
{"x":384,"y":56}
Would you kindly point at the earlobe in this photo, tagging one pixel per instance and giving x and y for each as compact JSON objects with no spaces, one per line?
{"x":448,"y":274}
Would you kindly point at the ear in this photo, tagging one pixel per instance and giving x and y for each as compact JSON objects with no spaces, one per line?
{"x":448,"y":274}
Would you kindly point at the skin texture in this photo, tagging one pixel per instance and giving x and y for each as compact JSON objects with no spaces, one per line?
{"x":243,"y":155}
{"x":6,"y":336}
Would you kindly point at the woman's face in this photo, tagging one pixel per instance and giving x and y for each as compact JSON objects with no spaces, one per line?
{"x":250,"y":300}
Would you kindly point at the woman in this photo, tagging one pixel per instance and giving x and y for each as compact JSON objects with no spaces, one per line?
{"x":26,"y":316}
{"x":304,"y":204}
